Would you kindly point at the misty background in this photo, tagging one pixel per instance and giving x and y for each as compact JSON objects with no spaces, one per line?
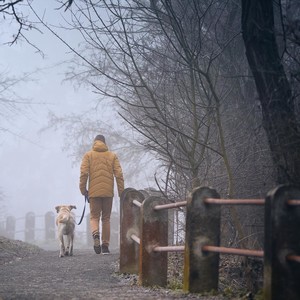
{"x":187,"y":93}
{"x":176,"y":87}
{"x":37,"y":171}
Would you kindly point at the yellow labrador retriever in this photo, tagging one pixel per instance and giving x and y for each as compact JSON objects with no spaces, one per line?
{"x":65,"y":222}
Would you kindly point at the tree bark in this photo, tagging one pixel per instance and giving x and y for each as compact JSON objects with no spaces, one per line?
{"x":279,"y":118}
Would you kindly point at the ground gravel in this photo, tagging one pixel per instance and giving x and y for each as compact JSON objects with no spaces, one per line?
{"x":29,"y":272}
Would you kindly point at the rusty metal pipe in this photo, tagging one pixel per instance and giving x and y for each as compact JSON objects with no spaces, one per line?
{"x":295,"y":258}
{"x":169,"y":249}
{"x":137,"y":203}
{"x":135,"y":238}
{"x":170,"y":205}
{"x":235,"y":201}
{"x":234,"y":251}
{"x":293,"y":202}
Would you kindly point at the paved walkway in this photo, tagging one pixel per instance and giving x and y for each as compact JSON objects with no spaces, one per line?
{"x":83,"y":276}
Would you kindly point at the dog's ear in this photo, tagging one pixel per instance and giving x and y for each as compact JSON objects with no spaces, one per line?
{"x":57,"y":208}
{"x":72,"y":207}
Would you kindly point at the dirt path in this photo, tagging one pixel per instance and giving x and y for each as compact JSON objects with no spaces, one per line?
{"x":83,"y":276}
{"x":46,"y":276}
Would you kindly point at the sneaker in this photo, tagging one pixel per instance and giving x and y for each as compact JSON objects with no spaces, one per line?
{"x":97,"y":247}
{"x":105,"y":249}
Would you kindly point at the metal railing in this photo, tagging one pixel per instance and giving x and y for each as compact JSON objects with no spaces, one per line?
{"x":144,"y":240}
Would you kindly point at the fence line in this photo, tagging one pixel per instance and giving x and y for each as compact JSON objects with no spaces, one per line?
{"x":143,"y":240}
{"x":41,"y":230}
{"x":29,"y":227}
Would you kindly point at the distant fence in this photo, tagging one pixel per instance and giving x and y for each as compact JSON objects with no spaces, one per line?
{"x":32,"y":227}
{"x":144,"y":240}
{"x":39,"y":229}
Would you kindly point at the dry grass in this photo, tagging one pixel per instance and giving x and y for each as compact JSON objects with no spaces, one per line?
{"x":238,"y":276}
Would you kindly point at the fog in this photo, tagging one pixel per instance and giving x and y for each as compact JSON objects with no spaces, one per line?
{"x":36,"y":174}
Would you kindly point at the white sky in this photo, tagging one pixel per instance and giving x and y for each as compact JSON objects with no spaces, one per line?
{"x":36,"y":175}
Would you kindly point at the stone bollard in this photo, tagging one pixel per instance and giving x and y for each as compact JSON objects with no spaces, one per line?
{"x":153,"y":265}
{"x":10,"y":227}
{"x":282,"y":223}
{"x":49,"y":226}
{"x":130,"y":215}
{"x":201,"y":270}
{"x":29,"y":227}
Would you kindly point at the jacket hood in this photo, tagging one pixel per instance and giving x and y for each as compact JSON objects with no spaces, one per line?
{"x":99,"y":146}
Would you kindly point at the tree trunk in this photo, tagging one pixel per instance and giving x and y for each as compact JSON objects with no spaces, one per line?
{"x":279,"y":118}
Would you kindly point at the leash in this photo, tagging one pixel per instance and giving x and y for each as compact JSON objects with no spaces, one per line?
{"x":86,"y":199}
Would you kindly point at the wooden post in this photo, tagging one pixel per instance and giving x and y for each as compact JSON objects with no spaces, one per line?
{"x":29,"y":227}
{"x":10,"y":227}
{"x":49,"y":226}
{"x":201,"y":270}
{"x":129,"y":224}
{"x":153,"y":266}
{"x":282,"y":224}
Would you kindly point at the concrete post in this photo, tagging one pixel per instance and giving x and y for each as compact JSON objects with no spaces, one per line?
{"x":29,"y":227}
{"x":154,"y":232}
{"x":10,"y":227}
{"x":201,"y":270}
{"x":49,"y":226}
{"x":282,"y":224}
{"x":129,"y":224}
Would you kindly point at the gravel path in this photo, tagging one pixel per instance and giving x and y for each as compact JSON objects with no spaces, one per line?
{"x":43,"y":275}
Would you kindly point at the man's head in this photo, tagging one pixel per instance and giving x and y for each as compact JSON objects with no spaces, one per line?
{"x":100,"y":137}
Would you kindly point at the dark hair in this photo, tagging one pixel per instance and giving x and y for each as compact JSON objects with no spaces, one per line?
{"x":100,"y":137}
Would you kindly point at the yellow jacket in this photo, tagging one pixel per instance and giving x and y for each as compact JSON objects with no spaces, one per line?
{"x":98,"y":168}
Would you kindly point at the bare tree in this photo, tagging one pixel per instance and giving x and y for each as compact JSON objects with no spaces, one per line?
{"x":171,"y":71}
{"x":10,"y":10}
{"x":169,"y":67}
{"x":13,"y":12}
{"x":11,"y":103}
{"x":275,"y":93}
{"x":163,"y":71}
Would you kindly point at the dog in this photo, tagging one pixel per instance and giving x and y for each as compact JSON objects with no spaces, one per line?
{"x":65,"y":222}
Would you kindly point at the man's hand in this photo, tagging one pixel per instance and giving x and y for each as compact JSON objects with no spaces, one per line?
{"x":85,"y":193}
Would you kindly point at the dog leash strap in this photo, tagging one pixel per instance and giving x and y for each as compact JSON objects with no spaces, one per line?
{"x":85,"y":201}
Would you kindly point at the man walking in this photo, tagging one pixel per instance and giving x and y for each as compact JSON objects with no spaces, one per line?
{"x":98,"y":169}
